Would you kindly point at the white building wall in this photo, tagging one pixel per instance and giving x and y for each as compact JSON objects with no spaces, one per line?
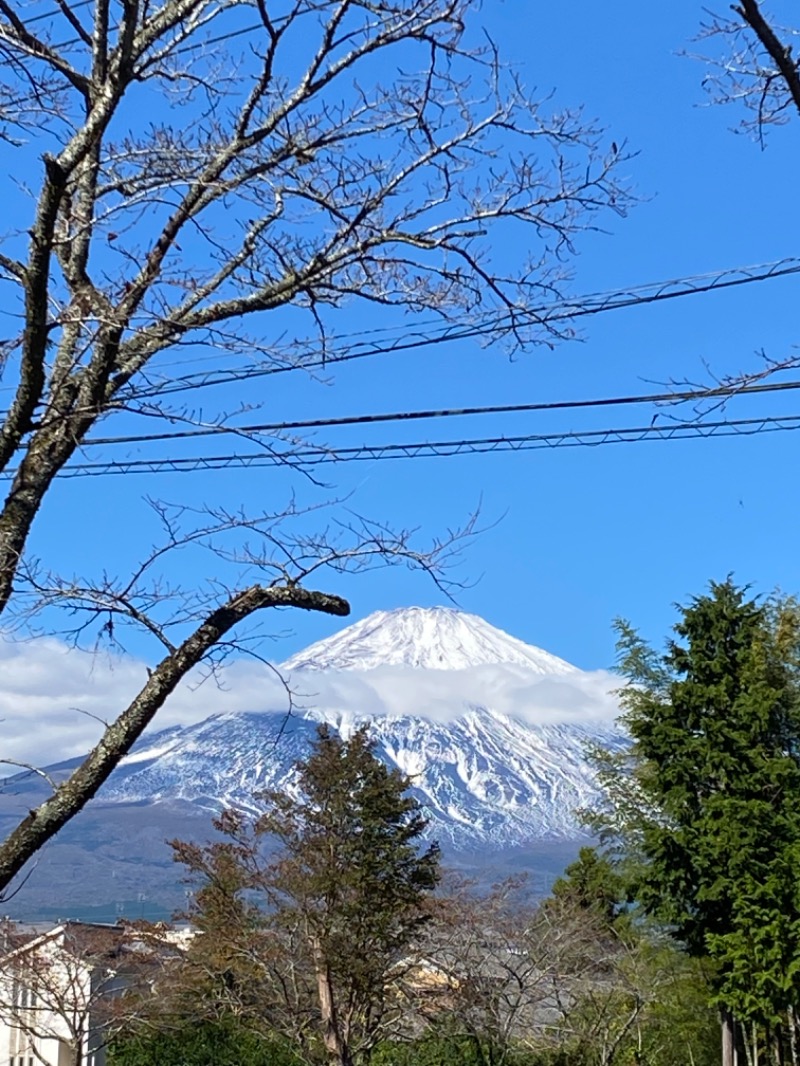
{"x":33,"y":1029}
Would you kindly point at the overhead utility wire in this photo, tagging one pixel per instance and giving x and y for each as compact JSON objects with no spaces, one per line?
{"x":504,"y":321}
{"x":57,"y":12}
{"x":723,"y":392}
{"x":604,"y":301}
{"x":183,"y":49}
{"x":308,"y":457}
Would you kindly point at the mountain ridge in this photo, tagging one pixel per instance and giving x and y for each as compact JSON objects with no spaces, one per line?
{"x":481,"y":778}
{"x":495,"y":750}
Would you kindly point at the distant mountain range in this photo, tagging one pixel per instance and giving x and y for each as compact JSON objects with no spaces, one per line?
{"x":493,"y":733}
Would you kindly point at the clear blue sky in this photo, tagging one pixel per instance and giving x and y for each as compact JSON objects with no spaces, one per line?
{"x":581,"y":535}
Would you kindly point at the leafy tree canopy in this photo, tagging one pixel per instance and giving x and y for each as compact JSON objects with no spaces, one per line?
{"x":707,"y":800}
{"x":311,"y":914}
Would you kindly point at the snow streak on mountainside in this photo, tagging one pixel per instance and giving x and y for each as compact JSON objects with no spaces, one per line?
{"x":436,"y":638}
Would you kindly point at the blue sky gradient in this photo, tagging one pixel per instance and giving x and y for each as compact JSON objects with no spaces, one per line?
{"x":573,"y":537}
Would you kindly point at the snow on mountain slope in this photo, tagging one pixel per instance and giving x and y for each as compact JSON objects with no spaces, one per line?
{"x":435,"y":638}
{"x":483,"y":777}
{"x":492,"y":732}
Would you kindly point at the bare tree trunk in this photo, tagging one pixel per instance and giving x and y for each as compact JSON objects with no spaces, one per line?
{"x":791,"y":1025}
{"x":744,"y":1036}
{"x":43,"y":822}
{"x":778,"y":1053}
{"x":728,"y":1039}
{"x":335,"y":1045}
{"x":105,"y":288}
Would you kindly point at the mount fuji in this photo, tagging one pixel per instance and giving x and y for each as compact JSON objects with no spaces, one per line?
{"x":492,"y":732}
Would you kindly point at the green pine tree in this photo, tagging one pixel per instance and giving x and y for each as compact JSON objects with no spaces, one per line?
{"x":594,"y":883}
{"x":309,"y":941}
{"x":707,"y":801}
{"x":352,"y":873}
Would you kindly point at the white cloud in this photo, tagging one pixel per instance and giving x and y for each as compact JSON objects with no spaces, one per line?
{"x":51,"y":697}
{"x":443,"y":694}
{"x":49,"y":694}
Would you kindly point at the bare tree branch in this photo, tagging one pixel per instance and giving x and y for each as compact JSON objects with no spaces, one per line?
{"x":118,"y":738}
{"x":781,"y":54}
{"x":205,"y":182}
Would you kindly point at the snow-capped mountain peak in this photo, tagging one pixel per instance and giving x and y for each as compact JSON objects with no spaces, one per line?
{"x":492,"y":732}
{"x":433,"y":638}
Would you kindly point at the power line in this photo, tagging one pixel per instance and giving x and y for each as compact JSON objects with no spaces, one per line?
{"x":310,"y":457}
{"x":56,"y":12}
{"x":499,"y":322}
{"x":195,"y":45}
{"x":723,"y":392}
{"x":367,"y":343}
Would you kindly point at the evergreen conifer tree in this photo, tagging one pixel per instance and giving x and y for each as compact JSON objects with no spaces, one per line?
{"x":312,"y":941}
{"x":351,"y":872}
{"x":709,"y":796}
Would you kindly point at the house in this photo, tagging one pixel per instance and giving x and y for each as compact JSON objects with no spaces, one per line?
{"x":60,"y":990}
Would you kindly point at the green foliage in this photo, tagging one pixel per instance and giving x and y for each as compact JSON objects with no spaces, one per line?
{"x":352,"y":837}
{"x":449,"y":1049}
{"x":306,"y":944}
{"x":676,"y":1023}
{"x":223,"y":971}
{"x":223,"y":1043}
{"x":681,"y":1026}
{"x":708,"y":799}
{"x":594,"y":883}
{"x":681,"y":1029}
{"x":350,"y":862}
{"x":432,"y":1050}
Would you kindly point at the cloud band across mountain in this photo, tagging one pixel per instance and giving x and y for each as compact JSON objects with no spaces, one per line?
{"x":440,"y":663}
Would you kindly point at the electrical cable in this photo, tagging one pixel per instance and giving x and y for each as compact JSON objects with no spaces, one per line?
{"x":304,"y":458}
{"x":723,"y":392}
{"x":581,"y":307}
